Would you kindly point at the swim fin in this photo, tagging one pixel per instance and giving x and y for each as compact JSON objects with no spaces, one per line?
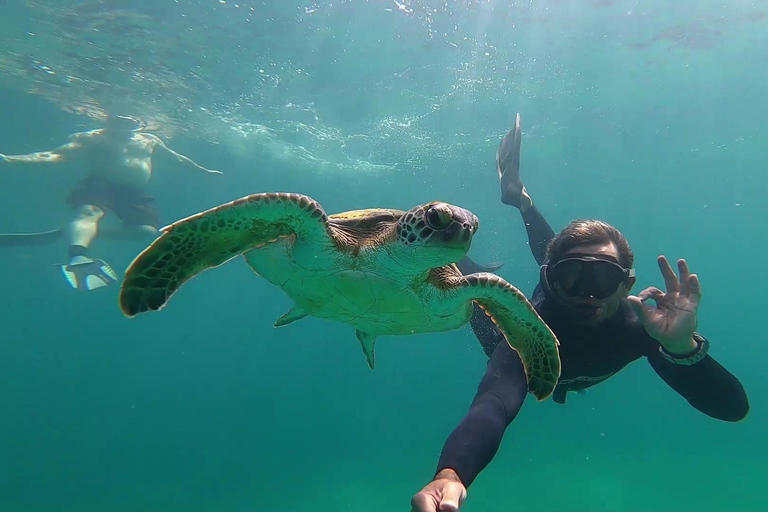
{"x":86,"y":274}
{"x":27,"y":239}
{"x":508,"y":166}
{"x":467,"y":266}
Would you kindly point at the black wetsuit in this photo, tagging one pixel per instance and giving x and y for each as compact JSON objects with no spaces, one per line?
{"x":589,"y":355}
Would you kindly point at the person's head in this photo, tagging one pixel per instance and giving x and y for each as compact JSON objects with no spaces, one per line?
{"x":121,"y":126}
{"x":589,"y":268}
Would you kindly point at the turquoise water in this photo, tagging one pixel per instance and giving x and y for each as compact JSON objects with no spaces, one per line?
{"x":647,"y":115}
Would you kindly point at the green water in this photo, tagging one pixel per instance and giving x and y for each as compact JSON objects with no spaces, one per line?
{"x":648,"y":115}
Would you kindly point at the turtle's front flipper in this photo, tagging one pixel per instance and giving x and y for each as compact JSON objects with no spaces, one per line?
{"x":522,"y":327}
{"x":213,"y":237}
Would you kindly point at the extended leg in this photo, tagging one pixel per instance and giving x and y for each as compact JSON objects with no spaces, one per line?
{"x":82,"y":272}
{"x":84,"y":228}
{"x":513,"y":192}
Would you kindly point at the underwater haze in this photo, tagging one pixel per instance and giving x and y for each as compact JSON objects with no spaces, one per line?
{"x":648,"y":114}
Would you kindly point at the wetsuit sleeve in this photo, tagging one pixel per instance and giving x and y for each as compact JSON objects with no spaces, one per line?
{"x":539,"y":233}
{"x":500,"y":395}
{"x":706,"y":385}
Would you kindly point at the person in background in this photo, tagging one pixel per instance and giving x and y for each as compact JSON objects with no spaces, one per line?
{"x":117,"y":162}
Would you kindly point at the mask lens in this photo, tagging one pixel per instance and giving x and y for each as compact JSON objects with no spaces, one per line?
{"x":590,"y":278}
{"x":567,"y":273}
{"x":606,"y":278}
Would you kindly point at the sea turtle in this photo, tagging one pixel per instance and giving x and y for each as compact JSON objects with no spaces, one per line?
{"x":381,"y":271}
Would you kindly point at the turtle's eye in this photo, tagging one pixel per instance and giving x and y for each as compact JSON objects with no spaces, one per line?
{"x":437,"y":219}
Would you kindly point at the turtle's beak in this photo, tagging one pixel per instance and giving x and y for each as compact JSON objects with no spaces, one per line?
{"x":469,"y":226}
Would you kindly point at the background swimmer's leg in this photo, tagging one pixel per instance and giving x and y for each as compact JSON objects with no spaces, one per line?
{"x":27,"y":239}
{"x":82,"y":272}
{"x":83,"y":229}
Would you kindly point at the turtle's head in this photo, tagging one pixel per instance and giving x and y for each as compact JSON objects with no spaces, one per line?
{"x":437,"y":233}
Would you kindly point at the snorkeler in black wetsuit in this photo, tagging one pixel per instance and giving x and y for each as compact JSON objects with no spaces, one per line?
{"x":583,"y":295}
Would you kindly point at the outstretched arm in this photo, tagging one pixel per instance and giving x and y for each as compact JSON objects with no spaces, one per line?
{"x":513,"y":192}
{"x":181,"y":158}
{"x":58,"y":155}
{"x":500,"y":395}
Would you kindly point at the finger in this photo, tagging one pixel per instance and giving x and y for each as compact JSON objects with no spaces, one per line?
{"x":420,"y":503}
{"x":452,"y":498}
{"x":685,"y":273}
{"x":694,"y":287}
{"x":650,"y":293}
{"x":670,"y":279}
{"x":639,"y":307}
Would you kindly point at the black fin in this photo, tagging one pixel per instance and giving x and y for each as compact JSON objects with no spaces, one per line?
{"x":467,"y":266}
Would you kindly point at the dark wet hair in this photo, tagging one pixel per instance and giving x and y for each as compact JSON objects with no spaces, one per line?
{"x":587,"y":232}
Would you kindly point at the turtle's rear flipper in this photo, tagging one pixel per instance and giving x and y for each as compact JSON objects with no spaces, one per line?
{"x":467,"y":266}
{"x":87,"y":274}
{"x":27,"y":239}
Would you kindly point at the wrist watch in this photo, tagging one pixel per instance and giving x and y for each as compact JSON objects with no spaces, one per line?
{"x":691,"y":358}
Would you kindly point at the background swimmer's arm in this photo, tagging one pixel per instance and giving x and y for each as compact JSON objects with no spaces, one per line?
{"x":706,"y":385}
{"x":500,"y":395}
{"x":180,"y":157}
{"x":58,"y":155}
{"x":539,"y":232}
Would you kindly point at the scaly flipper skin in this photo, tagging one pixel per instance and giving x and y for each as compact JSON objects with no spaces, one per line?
{"x":213,"y":237}
{"x":521,"y":325}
